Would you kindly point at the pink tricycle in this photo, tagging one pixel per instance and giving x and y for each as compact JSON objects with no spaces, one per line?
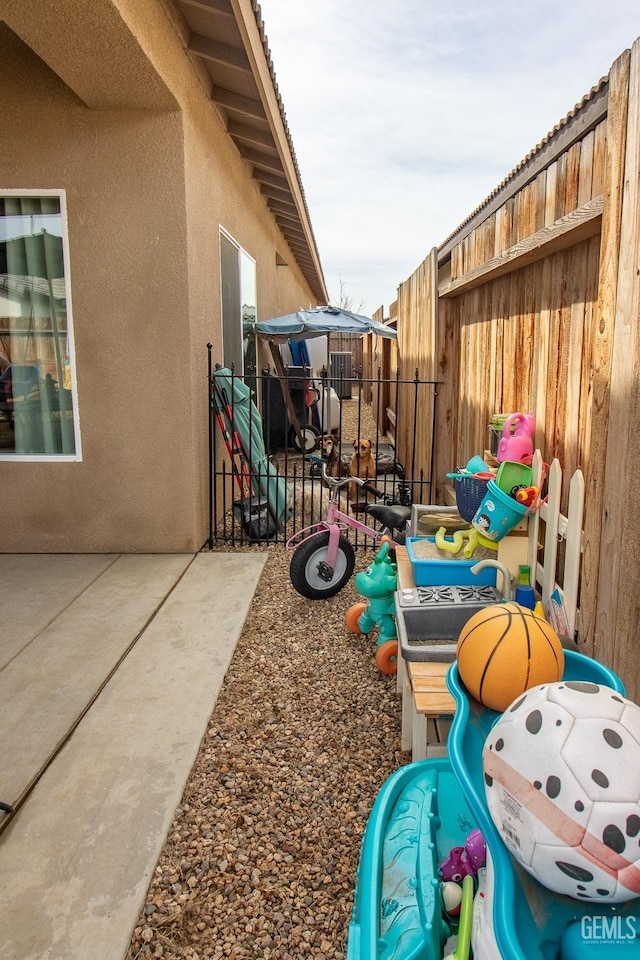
{"x":323,"y":558}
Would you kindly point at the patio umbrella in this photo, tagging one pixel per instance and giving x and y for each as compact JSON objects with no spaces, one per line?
{"x":306,"y":324}
{"x":320,"y":321}
{"x":244,"y":416}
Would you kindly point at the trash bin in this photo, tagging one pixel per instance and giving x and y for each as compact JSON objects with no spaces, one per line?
{"x":257,"y":521}
{"x":274,"y":412}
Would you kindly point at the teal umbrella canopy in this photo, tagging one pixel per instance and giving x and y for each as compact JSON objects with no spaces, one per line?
{"x":248,"y":423}
{"x":306,"y":324}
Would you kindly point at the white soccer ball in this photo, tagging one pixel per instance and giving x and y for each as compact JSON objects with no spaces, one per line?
{"x":562,"y":782}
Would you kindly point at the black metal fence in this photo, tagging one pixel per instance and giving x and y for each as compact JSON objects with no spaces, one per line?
{"x":264,"y":484}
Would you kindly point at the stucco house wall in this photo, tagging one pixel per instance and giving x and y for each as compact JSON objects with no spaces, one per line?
{"x":150,"y":177}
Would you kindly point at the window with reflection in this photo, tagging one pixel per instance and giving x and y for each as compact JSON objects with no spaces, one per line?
{"x":38,"y":416}
{"x":239,"y":295}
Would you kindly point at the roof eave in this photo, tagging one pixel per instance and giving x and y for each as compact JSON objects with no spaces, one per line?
{"x":254,"y":117}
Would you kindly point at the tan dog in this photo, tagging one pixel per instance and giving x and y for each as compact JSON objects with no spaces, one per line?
{"x":363,"y":465}
{"x":308,"y":500}
{"x":329,"y":453}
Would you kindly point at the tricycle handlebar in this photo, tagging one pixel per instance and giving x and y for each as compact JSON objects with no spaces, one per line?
{"x":336,"y":483}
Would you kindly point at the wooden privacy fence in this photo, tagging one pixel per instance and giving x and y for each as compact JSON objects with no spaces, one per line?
{"x":533,"y":305}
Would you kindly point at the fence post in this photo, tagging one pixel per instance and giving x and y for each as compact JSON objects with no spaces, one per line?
{"x":212,"y":472}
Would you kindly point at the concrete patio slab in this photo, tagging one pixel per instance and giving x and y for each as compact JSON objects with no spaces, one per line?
{"x":77,"y":858}
{"x":36,"y":588}
{"x":46,"y":689}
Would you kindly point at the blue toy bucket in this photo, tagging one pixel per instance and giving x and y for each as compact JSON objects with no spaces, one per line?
{"x":498,"y":513}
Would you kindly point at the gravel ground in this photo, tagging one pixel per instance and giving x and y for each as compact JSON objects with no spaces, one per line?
{"x":262,"y":853}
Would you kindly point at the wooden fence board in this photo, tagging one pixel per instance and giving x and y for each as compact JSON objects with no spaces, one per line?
{"x":561,"y":188}
{"x":599,"y":176}
{"x":497,"y":218}
{"x":573,"y":177}
{"x":571,"y":578}
{"x":617,"y":601}
{"x":612,"y":179}
{"x":577,"y":273}
{"x":493,"y":348}
{"x":483,"y":362}
{"x":542,"y":351}
{"x":448,"y":346}
{"x":508,"y":238}
{"x":541,"y":193}
{"x":529,"y":345}
{"x":550,"y":200}
{"x":585,"y":185}
{"x":586,"y":393}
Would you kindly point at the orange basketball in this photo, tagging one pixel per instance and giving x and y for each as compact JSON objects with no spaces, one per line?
{"x":504,"y":650}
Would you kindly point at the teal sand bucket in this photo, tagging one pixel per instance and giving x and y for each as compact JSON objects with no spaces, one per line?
{"x":498,"y":513}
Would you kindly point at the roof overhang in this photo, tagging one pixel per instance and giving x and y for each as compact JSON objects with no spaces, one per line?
{"x":94,"y":50}
{"x":227,"y":39}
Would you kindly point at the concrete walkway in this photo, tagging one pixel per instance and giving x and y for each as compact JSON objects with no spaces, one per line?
{"x":109,"y":670}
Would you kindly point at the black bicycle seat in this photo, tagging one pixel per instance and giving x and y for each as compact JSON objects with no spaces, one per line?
{"x":395,"y":517}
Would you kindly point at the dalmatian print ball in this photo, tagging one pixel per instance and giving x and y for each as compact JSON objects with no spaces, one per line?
{"x":562,"y":782}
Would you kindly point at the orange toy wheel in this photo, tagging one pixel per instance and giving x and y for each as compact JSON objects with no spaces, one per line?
{"x":352,"y":616}
{"x":387,"y":657}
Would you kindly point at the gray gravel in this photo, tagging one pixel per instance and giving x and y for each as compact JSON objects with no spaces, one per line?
{"x":262,"y":854}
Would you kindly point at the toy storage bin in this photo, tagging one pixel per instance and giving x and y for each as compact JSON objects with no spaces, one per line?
{"x":437,"y":573}
{"x":498,"y":513}
{"x":426,"y":519}
{"x":512,"y":473}
{"x":470,"y":492}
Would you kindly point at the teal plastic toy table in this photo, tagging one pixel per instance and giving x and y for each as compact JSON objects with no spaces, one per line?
{"x":529,"y":921}
{"x":430,"y":806}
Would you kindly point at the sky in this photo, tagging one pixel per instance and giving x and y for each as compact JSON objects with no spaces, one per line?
{"x":406,"y":114}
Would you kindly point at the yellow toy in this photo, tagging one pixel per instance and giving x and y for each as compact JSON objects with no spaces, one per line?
{"x":455,"y":544}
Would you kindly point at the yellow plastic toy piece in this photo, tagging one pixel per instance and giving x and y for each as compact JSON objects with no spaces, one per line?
{"x":456,"y":543}
{"x":451,"y":546}
{"x":477,"y":540}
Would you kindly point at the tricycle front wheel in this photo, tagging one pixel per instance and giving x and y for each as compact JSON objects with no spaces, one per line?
{"x":310,"y":574}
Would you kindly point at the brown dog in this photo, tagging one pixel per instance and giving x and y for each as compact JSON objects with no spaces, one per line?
{"x":330,"y":454}
{"x":363,"y":464}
